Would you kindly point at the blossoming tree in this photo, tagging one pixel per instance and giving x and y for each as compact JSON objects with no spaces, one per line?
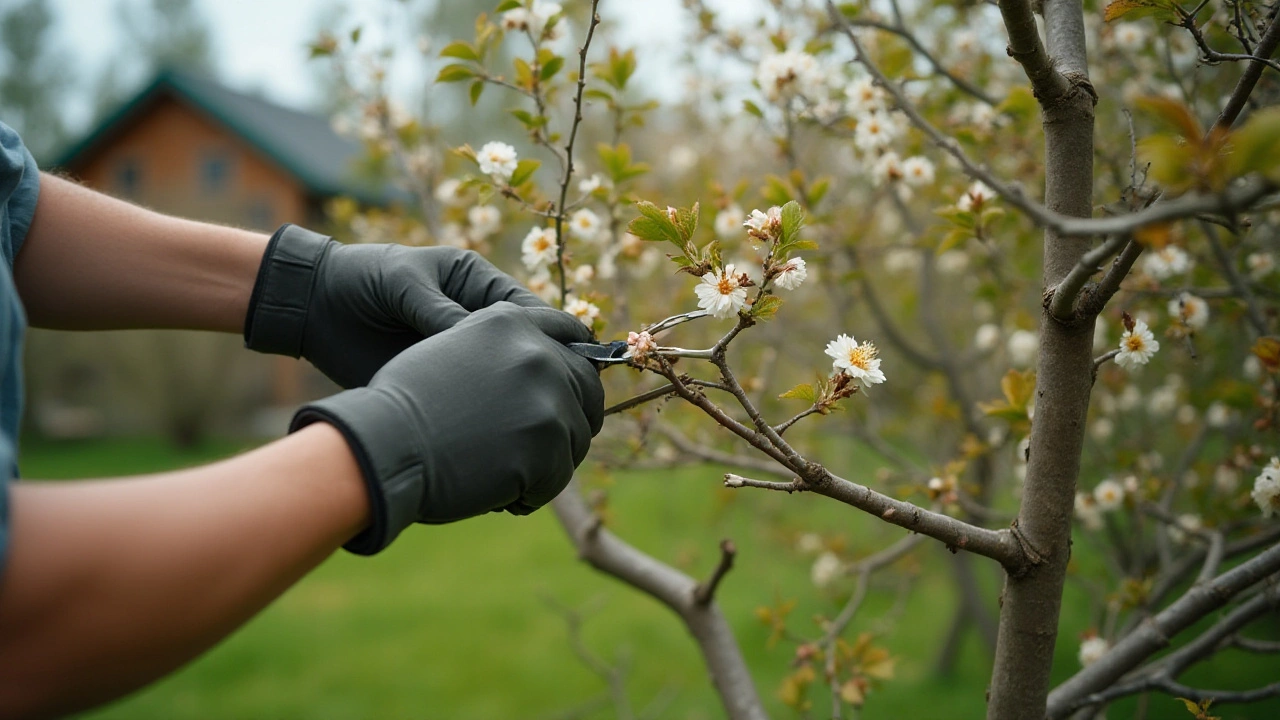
{"x":1071,"y":278}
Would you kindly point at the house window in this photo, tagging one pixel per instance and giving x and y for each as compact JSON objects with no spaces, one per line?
{"x":215,"y":172}
{"x":128,"y":178}
{"x":261,"y":215}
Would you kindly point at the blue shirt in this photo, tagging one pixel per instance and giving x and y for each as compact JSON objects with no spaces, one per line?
{"x":19,"y":187}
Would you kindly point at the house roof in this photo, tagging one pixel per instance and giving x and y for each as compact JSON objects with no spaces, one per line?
{"x":302,"y":144}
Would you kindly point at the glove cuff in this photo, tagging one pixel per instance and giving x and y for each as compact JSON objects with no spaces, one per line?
{"x":282,"y":293}
{"x":374,"y":424}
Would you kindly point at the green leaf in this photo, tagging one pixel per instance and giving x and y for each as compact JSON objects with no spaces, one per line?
{"x":551,"y":67}
{"x":766,"y":307}
{"x":752,"y":109}
{"x":477,"y":87}
{"x":687,"y":221}
{"x":792,"y":220}
{"x":1255,"y":147}
{"x":355,"y":34}
{"x":455,"y":73}
{"x":1171,"y":160}
{"x":1174,"y":114}
{"x":529,"y":119}
{"x":506,"y":5}
{"x":653,"y":224}
{"x":524,"y":170}
{"x":818,"y":190}
{"x":776,"y":191}
{"x":460,"y":49}
{"x":804,"y":391}
{"x":1164,"y":10}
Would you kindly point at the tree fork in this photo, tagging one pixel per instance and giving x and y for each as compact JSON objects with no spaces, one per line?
{"x":1032,"y":601}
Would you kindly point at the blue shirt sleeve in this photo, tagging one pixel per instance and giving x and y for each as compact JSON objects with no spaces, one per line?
{"x":19,"y":190}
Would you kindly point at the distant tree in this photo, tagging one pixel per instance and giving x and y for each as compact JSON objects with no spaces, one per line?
{"x":34,"y":76}
{"x":154,"y":34}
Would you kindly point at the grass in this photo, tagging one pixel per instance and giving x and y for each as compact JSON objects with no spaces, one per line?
{"x":450,"y":622}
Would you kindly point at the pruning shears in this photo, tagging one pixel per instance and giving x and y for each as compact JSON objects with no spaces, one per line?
{"x":618,"y":352}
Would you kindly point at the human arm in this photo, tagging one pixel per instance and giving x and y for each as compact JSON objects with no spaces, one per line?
{"x":111,"y":584}
{"x":91,"y":262}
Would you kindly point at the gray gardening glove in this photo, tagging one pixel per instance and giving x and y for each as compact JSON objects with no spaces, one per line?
{"x":493,"y":414}
{"x":351,"y":308}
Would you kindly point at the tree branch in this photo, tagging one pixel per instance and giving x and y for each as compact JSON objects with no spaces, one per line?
{"x":568,"y":148}
{"x":1252,"y":73}
{"x":609,"y":554}
{"x":1155,"y":634}
{"x":705,"y":592}
{"x":1025,"y":47}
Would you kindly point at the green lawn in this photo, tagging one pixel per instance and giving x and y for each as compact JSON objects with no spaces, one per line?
{"x":450,"y":621}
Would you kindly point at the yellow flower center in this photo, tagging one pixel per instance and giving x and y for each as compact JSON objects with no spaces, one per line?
{"x":862,"y":355}
{"x":1134,"y":343}
{"x":542,"y":243}
{"x":726,"y":286}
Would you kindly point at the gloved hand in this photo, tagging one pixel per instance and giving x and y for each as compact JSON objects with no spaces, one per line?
{"x":351,"y":308}
{"x":493,"y":414}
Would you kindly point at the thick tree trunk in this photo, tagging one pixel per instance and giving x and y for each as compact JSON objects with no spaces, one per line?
{"x":1031,"y":602}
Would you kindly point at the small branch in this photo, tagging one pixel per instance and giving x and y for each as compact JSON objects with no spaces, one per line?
{"x":737,"y":481}
{"x":1254,"y":645}
{"x":706,"y":591}
{"x":640,"y":399}
{"x":1236,"y":282}
{"x":1109,"y":285}
{"x":782,"y":427}
{"x":1156,"y":633}
{"x":1252,"y":73}
{"x":901,"y":31}
{"x":1062,"y":305}
{"x":1101,"y":360}
{"x":1025,"y":47}
{"x":568,"y":148}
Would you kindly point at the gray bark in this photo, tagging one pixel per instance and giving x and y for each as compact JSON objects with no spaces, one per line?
{"x":1032,"y":600}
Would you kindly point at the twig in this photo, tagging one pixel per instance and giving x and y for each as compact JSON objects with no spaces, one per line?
{"x":568,"y":148}
{"x":1249,"y":78}
{"x":900,"y":30}
{"x":737,"y":481}
{"x":1236,"y":282}
{"x":709,"y":454}
{"x":706,"y":591}
{"x":640,"y":399}
{"x":1062,"y":304}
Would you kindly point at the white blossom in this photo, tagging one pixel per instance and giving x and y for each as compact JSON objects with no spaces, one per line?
{"x":899,"y":261}
{"x":1137,"y":346}
{"x":1102,"y":429}
{"x":1266,"y":488}
{"x":875,"y":130}
{"x":809,"y":543}
{"x":1129,"y":36}
{"x":791,"y":274}
{"x":1109,"y":495}
{"x":681,"y":159}
{"x":497,"y":160}
{"x":1162,"y":401}
{"x":586,"y":186}
{"x":1022,"y":346}
{"x":585,"y":225}
{"x":1218,"y":415}
{"x":765,"y":226}
{"x":975,"y":197}
{"x":825,"y":569}
{"x":888,"y":168}
{"x":1092,"y":649}
{"x":721,"y":293}
{"x":585,"y":311}
{"x":1086,"y":509}
{"x":783,"y":76}
{"x":917,"y":171}
{"x":1192,"y":311}
{"x":1166,"y":262}
{"x":858,"y":361}
{"x":1226,"y":479}
{"x":1260,"y":264}
{"x":539,"y":247}
{"x":583,"y":274}
{"x":453,"y":235}
{"x":485,"y":220}
{"x":540,"y":284}
{"x":1252,"y":368}
{"x":447,"y":192}
{"x":729,"y":221}
{"x":953,"y":262}
{"x":1188,"y":524}
{"x":987,"y":337}
{"x":1130,"y":398}
{"x":864,"y":96}
{"x":640,"y":345}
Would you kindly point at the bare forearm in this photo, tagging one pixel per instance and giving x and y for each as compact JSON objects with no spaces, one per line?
{"x":114,"y":583}
{"x":91,"y":262}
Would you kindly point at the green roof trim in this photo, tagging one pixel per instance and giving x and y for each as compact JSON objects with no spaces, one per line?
{"x":301,"y":144}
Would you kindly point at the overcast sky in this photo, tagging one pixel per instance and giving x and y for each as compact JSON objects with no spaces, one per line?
{"x":260,"y":44}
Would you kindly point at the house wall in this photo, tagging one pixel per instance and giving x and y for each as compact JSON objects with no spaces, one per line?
{"x":179,"y":383}
{"x":169,"y":150}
